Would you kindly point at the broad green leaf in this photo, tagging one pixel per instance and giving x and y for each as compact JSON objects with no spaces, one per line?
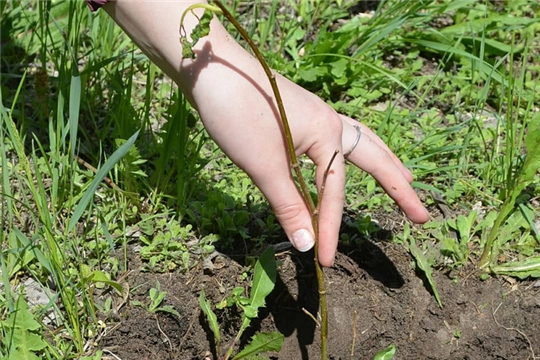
{"x":464,"y":226}
{"x":20,"y":325}
{"x":386,"y":354}
{"x":261,"y":342}
{"x":99,"y":276}
{"x":312,"y":73}
{"x":264,"y":279}
{"x":423,"y":264}
{"x":22,"y":317}
{"x":532,"y":160}
{"x":18,"y":354}
{"x":168,"y":309}
{"x":210,"y":316}
{"x":102,"y":172}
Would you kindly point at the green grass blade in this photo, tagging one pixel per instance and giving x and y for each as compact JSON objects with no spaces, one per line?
{"x":26,"y":243}
{"x":74,"y":107}
{"x":109,"y":164}
{"x":489,"y":71}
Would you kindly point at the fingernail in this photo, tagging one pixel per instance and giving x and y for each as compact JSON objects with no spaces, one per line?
{"x":410,"y":172}
{"x":302,"y":240}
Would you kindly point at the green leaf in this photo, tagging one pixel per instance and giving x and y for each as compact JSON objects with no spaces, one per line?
{"x":264,"y":279}
{"x":520,"y":269}
{"x":525,"y":176}
{"x":22,"y":317}
{"x":99,"y":276}
{"x":491,"y":46}
{"x":74,"y":106}
{"x":168,"y":309}
{"x":386,"y":354}
{"x":103,"y":171}
{"x":532,"y":160}
{"x":200,"y":30}
{"x":18,"y":354}
{"x":261,"y":342}
{"x":210,"y":316}
{"x":423,"y":264}
{"x":21,"y":324}
{"x":312,"y":74}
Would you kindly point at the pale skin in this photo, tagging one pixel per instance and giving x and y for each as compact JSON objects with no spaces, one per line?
{"x":228,"y":87}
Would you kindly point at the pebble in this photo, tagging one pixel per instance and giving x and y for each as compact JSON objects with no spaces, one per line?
{"x":36,"y":296}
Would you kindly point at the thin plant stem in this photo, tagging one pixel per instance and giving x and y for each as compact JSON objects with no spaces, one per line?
{"x":314,"y":211}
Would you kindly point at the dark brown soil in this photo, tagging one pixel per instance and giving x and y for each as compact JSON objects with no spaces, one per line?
{"x":375,"y":299}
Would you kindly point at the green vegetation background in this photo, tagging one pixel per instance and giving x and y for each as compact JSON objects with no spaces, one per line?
{"x":100,"y":152}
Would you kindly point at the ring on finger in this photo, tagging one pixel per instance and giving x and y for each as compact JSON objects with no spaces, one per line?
{"x":356,"y":141}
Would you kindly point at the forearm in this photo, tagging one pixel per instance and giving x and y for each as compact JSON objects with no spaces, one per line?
{"x":154,"y":26}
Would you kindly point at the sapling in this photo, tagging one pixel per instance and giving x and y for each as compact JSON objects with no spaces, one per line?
{"x":202,"y":29}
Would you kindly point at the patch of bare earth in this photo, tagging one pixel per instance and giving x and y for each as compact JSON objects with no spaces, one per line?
{"x":375,"y":299}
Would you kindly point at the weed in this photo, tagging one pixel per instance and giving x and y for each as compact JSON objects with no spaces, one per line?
{"x":23,"y":340}
{"x":386,"y":354}
{"x":156,"y":302}
{"x":264,"y":279}
{"x":167,"y":245}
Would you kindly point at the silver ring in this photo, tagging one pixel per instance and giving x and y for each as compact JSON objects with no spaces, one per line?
{"x":356,"y":141}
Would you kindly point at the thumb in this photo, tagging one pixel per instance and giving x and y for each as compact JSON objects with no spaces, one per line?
{"x":290,"y":209}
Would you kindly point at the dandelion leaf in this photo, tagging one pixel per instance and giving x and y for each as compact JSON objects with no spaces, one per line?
{"x":210,"y":316}
{"x":532,"y":160}
{"x":261,"y":342}
{"x":264,"y":279}
{"x":22,"y":326}
{"x":423,"y":264}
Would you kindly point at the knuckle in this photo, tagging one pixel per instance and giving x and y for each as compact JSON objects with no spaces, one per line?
{"x":288,"y":212}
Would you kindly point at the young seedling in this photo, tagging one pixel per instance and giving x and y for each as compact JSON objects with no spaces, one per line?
{"x":156,"y":300}
{"x":202,"y":29}
{"x":264,"y":279}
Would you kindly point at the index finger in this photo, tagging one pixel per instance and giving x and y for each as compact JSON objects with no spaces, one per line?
{"x":331,"y":203}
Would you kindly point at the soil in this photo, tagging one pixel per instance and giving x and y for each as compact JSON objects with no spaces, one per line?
{"x":375,"y":297}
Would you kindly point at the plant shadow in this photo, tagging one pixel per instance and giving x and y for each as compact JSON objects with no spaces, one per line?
{"x":296,"y":292}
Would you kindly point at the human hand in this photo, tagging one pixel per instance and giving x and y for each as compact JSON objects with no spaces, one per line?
{"x":240,"y":114}
{"x":234,"y":98}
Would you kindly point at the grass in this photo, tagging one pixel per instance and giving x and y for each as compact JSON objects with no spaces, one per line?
{"x":451,"y":86}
